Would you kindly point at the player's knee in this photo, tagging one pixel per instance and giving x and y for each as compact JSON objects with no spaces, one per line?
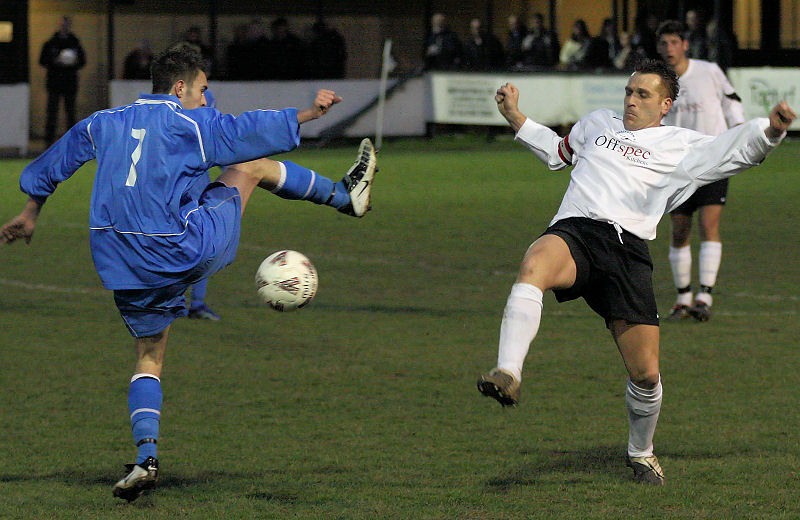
{"x":533,"y":271}
{"x":646,"y":378}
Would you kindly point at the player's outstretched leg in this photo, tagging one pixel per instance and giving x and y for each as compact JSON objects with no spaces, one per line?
{"x":520,"y":324}
{"x":288,"y":180}
{"x":358,"y":180}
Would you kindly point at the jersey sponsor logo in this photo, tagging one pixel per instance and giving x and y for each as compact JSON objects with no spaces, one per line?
{"x":624,"y":147}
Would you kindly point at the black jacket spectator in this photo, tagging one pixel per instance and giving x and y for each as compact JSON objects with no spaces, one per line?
{"x":482,"y":50}
{"x":442,"y":46}
{"x":62,"y":56}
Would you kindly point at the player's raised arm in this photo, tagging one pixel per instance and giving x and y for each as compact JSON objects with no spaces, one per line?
{"x":551,"y":149}
{"x":780,"y":119}
{"x":322,"y":103}
{"x":507,"y":99}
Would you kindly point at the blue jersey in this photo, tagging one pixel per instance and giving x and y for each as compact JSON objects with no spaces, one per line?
{"x":149,"y":154}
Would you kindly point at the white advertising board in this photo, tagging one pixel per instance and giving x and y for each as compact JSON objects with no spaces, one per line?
{"x":762,"y":87}
{"x":550,"y":99}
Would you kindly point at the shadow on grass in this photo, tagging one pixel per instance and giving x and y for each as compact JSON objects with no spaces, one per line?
{"x":215,"y":479}
{"x":603,"y":459}
{"x":600,"y":458}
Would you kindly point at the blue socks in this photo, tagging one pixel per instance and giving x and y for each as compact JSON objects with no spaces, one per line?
{"x":298,"y":183}
{"x":199,"y":293}
{"x":144,"y":405}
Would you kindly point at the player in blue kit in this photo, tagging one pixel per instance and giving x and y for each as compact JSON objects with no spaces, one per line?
{"x":150,"y":237}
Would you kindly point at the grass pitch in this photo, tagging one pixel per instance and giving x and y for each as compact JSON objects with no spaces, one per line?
{"x":363,"y":405}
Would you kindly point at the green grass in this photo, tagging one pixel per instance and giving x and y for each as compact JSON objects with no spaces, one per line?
{"x":363,"y":406}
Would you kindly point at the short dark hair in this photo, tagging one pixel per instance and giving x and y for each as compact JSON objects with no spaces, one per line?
{"x":672,"y":27}
{"x":669,"y":78}
{"x":177,"y":62}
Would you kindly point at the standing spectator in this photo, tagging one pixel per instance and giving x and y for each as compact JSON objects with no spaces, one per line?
{"x":574,"y":50}
{"x":137,"y":63}
{"x":482,"y":51}
{"x":540,"y":46}
{"x":722,"y":45}
{"x":516,"y":33}
{"x":327,"y":54}
{"x":62,"y":56}
{"x":628,"y":56}
{"x":609,"y":34}
{"x":442,"y":46}
{"x":195,"y":37}
{"x":644,"y":38}
{"x":237,"y":54}
{"x":286,"y":52}
{"x":696,"y":36}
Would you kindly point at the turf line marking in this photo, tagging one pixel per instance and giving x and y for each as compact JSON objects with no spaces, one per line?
{"x":50,"y":288}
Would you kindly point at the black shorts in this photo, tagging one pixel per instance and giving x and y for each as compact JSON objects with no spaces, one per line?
{"x":708,"y":195}
{"x":615,"y":271}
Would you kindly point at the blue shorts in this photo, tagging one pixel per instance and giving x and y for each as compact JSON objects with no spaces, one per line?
{"x":147,"y":312}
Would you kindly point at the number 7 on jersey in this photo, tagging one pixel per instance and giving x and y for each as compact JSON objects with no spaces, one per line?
{"x":138,"y":134}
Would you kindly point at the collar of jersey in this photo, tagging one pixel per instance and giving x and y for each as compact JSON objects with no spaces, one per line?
{"x":151,"y":99}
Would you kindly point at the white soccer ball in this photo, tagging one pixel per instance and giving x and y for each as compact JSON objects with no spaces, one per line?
{"x":67,"y":57}
{"x":286,"y":280}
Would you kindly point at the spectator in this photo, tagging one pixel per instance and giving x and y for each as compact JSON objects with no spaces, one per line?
{"x":574,"y":50}
{"x":482,"y":51}
{"x":540,"y":46}
{"x":442,"y":46}
{"x":609,"y":34}
{"x":516,"y":33}
{"x":239,"y":53}
{"x":194,"y":37}
{"x":62,"y":56}
{"x":137,"y":63}
{"x":644,"y":39}
{"x":327,"y":55}
{"x":286,"y":52}
{"x":628,"y":56}
{"x":696,"y":36}
{"x":722,"y":45}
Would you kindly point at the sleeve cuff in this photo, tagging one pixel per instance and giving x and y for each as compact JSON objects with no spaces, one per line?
{"x":763,"y":123}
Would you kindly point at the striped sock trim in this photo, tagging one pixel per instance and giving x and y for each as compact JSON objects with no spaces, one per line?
{"x":281,"y":182}
{"x":310,"y":184}
{"x":145,"y":410}
{"x":140,"y":376}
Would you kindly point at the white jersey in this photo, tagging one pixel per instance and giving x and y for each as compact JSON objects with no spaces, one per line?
{"x":706,"y":100}
{"x":631,"y":178}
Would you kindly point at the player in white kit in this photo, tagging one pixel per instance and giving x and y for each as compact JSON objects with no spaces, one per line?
{"x":628,"y":171}
{"x":707,"y":103}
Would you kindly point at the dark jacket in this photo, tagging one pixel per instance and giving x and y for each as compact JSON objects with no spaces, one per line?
{"x":61,"y":64}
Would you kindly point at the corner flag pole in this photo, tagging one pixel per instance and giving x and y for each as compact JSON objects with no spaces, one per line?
{"x":388,"y":64}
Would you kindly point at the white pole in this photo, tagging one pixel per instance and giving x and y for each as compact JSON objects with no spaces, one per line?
{"x":388,"y":64}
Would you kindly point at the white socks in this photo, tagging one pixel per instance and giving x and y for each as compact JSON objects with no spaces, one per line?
{"x":680,"y":259}
{"x":643,"y":408}
{"x":520,"y":324}
{"x":710,"y":258}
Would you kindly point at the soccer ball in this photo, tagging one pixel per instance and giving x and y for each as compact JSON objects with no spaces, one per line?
{"x":67,"y":57}
{"x":286,"y":280}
